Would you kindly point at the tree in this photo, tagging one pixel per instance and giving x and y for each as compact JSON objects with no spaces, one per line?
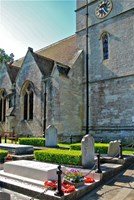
{"x":5,"y":57}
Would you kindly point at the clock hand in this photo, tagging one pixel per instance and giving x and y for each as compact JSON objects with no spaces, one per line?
{"x":104,"y":10}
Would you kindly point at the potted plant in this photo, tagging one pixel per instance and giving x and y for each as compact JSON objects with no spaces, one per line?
{"x":75,"y":177}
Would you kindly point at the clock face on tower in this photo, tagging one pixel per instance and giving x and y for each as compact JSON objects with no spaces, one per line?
{"x":103,"y":8}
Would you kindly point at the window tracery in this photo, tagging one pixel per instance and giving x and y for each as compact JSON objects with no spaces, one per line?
{"x":27,"y":96}
{"x":2,"y":105}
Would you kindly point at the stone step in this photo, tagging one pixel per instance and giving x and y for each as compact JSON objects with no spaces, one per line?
{"x":21,"y":186}
{"x":32,"y":190}
{"x":32,"y":187}
{"x":127,"y":159}
{"x":23,"y":157}
{"x":6,"y":176}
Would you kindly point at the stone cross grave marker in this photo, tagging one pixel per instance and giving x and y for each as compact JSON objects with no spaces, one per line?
{"x":87,"y":147}
{"x":51,"y":136}
{"x":114,"y":148}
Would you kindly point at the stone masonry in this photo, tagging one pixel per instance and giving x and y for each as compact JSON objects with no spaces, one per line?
{"x":110,"y":81}
{"x":57,"y":76}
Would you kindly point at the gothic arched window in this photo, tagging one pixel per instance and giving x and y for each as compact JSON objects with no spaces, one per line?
{"x":105,"y":46}
{"x":2,"y":106}
{"x":27,"y":95}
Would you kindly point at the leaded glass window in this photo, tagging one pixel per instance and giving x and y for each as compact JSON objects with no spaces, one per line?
{"x":28,"y":102}
{"x":2,"y":106}
{"x":105,"y":46}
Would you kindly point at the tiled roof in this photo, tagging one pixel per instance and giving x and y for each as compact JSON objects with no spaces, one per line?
{"x":12,"y":71}
{"x":44,"y":64}
{"x":62,"y":51}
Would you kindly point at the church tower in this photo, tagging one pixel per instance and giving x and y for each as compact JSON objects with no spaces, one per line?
{"x":110,"y":31}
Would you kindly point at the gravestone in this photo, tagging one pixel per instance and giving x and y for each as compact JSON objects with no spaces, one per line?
{"x":51,"y":139}
{"x":114,"y":148}
{"x":87,"y":147}
{"x":4,"y":196}
{"x":33,"y":169}
{"x":17,"y":149}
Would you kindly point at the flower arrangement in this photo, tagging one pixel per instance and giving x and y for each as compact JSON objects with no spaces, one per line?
{"x":72,"y":180}
{"x":74,"y":176}
{"x":66,"y":188}
{"x":8,"y":157}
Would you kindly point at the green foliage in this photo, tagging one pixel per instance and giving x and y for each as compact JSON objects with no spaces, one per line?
{"x":128,"y":151}
{"x":58,"y":156}
{"x":66,"y":146}
{"x":38,"y":142}
{"x":5,"y":57}
{"x":103,"y":147}
{"x":74,"y":175}
{"x":3,"y":154}
{"x":76,"y":146}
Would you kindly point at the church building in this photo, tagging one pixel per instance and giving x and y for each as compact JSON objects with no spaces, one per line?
{"x":49,"y":86}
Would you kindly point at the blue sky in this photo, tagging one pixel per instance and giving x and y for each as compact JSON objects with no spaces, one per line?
{"x":34,"y":24}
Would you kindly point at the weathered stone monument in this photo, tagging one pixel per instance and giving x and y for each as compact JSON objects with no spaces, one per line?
{"x":51,"y":136}
{"x":114,"y":148}
{"x":87,"y":147}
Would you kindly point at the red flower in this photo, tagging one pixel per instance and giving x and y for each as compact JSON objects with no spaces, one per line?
{"x":89,"y":179}
{"x":66,"y":188}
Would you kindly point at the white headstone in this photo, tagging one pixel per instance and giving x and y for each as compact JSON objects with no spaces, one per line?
{"x":51,"y":139}
{"x":113,"y":149}
{"x":87,"y":147}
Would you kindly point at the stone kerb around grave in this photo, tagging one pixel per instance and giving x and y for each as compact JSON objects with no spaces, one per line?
{"x":87,"y":147}
{"x":51,"y":136}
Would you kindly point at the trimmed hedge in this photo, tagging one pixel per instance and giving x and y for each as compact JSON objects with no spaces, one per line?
{"x":103,"y":147}
{"x":3,"y":154}
{"x":38,"y":142}
{"x":128,"y":151}
{"x":76,"y":146}
{"x":59,"y":156}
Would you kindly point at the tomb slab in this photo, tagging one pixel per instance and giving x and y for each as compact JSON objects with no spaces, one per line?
{"x":17,"y":149}
{"x":33,"y":169}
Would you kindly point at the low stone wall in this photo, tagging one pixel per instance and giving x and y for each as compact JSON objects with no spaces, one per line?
{"x":69,"y":138}
{"x":107,"y":136}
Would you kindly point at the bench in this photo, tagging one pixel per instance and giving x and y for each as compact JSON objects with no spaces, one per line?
{"x":9,"y":135}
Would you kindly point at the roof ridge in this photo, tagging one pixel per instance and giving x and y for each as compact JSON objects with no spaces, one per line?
{"x":37,"y":51}
{"x":42,"y":57}
{"x":53,"y":44}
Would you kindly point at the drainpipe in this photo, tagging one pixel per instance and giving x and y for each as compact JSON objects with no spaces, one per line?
{"x":44,"y":120}
{"x":87,"y":73}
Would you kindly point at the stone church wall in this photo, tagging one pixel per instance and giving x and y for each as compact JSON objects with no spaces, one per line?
{"x":112,"y":107}
{"x":65,"y":104}
{"x":5,"y":81}
{"x":29,"y":72}
{"x":111,"y":81}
